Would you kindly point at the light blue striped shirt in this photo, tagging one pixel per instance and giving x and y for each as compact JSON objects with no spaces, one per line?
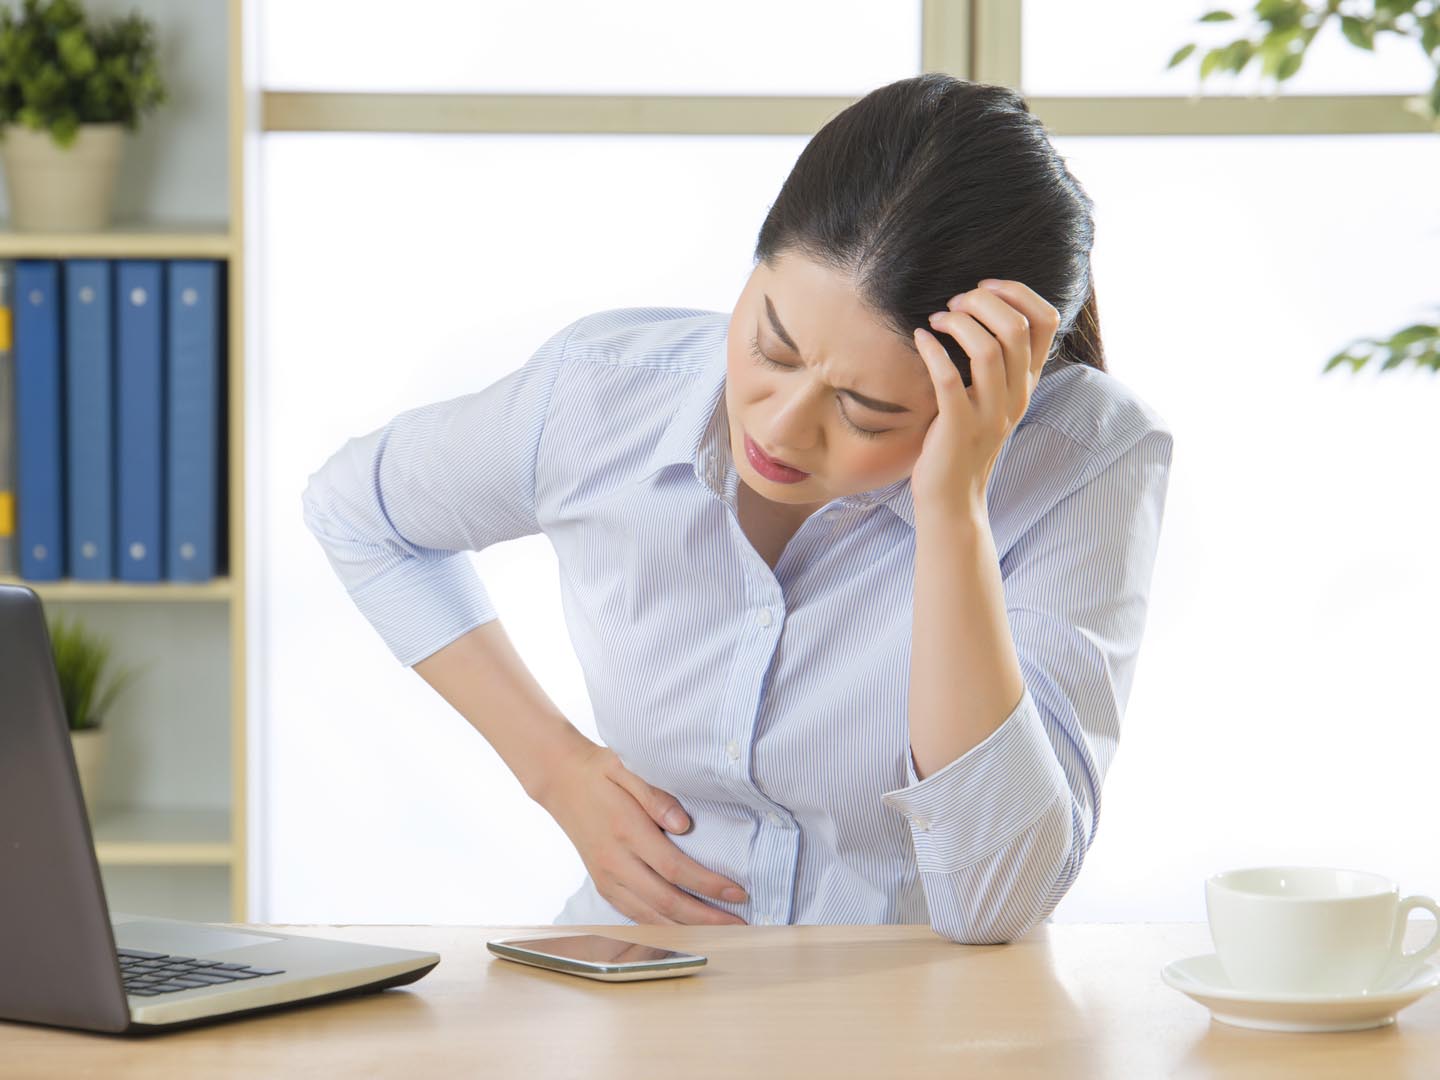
{"x":773,"y":704}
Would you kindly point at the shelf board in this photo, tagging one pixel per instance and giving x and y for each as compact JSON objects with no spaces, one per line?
{"x":123,"y":240}
{"x":216,"y":590}
{"x":149,"y":836}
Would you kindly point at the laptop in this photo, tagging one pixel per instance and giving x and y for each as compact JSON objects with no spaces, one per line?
{"x":65,"y":958}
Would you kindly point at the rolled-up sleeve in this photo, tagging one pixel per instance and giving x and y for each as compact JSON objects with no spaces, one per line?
{"x":1000,"y":832}
{"x":396,"y":509}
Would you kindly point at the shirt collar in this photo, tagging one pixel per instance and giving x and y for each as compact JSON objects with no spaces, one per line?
{"x":698,"y":435}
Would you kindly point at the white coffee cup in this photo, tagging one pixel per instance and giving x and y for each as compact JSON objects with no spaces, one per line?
{"x":1312,"y":929}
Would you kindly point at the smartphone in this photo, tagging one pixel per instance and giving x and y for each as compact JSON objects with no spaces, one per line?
{"x":597,"y":957}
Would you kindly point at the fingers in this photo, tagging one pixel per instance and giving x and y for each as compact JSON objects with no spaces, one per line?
{"x":631,"y":906}
{"x":951,"y":393}
{"x":636,"y":890}
{"x":1010,"y":329}
{"x":674,"y":904}
{"x":650,"y":866}
{"x":672,"y":864}
{"x":664,"y":864}
{"x":997,"y":337}
{"x":664,"y":809}
{"x":1042,"y":316}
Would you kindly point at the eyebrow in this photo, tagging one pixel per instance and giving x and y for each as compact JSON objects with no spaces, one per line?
{"x":868,"y":402}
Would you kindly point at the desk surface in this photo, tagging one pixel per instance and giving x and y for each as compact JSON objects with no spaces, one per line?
{"x":1067,"y":1000}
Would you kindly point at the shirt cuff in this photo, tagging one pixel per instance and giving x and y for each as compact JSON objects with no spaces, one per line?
{"x":423,"y":604}
{"x":986,"y":797}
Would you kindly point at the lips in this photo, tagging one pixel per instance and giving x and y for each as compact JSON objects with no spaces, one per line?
{"x":768,"y":467}
{"x":775,"y":460}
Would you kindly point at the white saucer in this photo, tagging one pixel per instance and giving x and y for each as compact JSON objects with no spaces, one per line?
{"x":1203,"y":979}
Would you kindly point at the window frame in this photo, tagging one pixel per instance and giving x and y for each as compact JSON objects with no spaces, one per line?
{"x":971,"y":39}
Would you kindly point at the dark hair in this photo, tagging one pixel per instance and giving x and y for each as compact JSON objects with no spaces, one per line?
{"x":928,"y":185}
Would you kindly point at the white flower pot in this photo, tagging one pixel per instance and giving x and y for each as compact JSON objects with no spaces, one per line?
{"x":89,"y":745}
{"x":61,"y":189}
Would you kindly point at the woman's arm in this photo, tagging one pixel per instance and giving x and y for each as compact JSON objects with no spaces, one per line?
{"x":395,"y":509}
{"x":1001,"y":825}
{"x":964,"y":675}
{"x":482,"y":676}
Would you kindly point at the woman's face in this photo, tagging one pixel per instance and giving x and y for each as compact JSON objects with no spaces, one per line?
{"x":801,"y":414}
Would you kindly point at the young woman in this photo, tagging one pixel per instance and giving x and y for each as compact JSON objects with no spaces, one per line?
{"x":857,"y":573}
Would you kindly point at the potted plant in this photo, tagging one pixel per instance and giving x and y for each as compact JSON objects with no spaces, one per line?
{"x":81,"y":662}
{"x":69,"y":91}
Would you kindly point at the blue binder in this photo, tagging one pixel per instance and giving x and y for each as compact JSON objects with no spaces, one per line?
{"x":193,"y":459}
{"x":39,"y":447}
{"x":139,"y":419}
{"x":89,"y":421}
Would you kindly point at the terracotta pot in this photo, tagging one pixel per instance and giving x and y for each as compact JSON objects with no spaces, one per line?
{"x":61,"y":189}
{"x":89,"y":746}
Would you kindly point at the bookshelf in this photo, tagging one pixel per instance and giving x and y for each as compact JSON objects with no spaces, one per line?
{"x":170,"y":823}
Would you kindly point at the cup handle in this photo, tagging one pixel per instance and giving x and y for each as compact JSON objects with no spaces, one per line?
{"x":1405,"y":964}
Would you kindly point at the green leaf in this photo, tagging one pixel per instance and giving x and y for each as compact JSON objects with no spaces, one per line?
{"x":1289,"y":66}
{"x":1180,"y":55}
{"x":1358,"y":32}
{"x":1430,"y":32}
{"x":65,"y":127}
{"x":1216,"y":16}
{"x":1273,"y":55}
{"x":1355,"y":360}
{"x":1269,"y":9}
{"x":76,"y":55}
{"x":1411,"y":334}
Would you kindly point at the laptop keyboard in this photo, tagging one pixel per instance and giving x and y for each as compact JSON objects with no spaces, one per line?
{"x":151,"y":973}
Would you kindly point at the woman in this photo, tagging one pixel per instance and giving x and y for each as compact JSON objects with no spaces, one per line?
{"x":858,"y":601}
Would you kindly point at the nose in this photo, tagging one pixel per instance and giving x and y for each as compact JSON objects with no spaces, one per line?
{"x":795,"y":426}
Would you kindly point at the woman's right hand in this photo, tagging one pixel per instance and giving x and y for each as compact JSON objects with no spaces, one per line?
{"x":617,"y":823}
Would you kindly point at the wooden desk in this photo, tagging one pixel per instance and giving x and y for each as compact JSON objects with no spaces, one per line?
{"x":1066,"y":1001}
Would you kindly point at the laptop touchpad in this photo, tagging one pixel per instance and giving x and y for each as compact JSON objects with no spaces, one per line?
{"x":180,"y":940}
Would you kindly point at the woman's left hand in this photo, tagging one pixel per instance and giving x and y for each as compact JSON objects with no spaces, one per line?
{"x":1006,"y":329}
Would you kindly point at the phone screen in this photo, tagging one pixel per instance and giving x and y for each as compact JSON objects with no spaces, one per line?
{"x":596,"y":949}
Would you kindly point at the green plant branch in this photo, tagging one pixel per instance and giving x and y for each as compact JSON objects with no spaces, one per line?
{"x":1291,"y":26}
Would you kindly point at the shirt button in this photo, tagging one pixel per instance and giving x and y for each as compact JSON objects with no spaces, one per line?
{"x":732,"y":750}
{"x":922,"y":824}
{"x":763,"y":616}
{"x":763,"y":920}
{"x":772,"y":817}
{"x":832,"y":515}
